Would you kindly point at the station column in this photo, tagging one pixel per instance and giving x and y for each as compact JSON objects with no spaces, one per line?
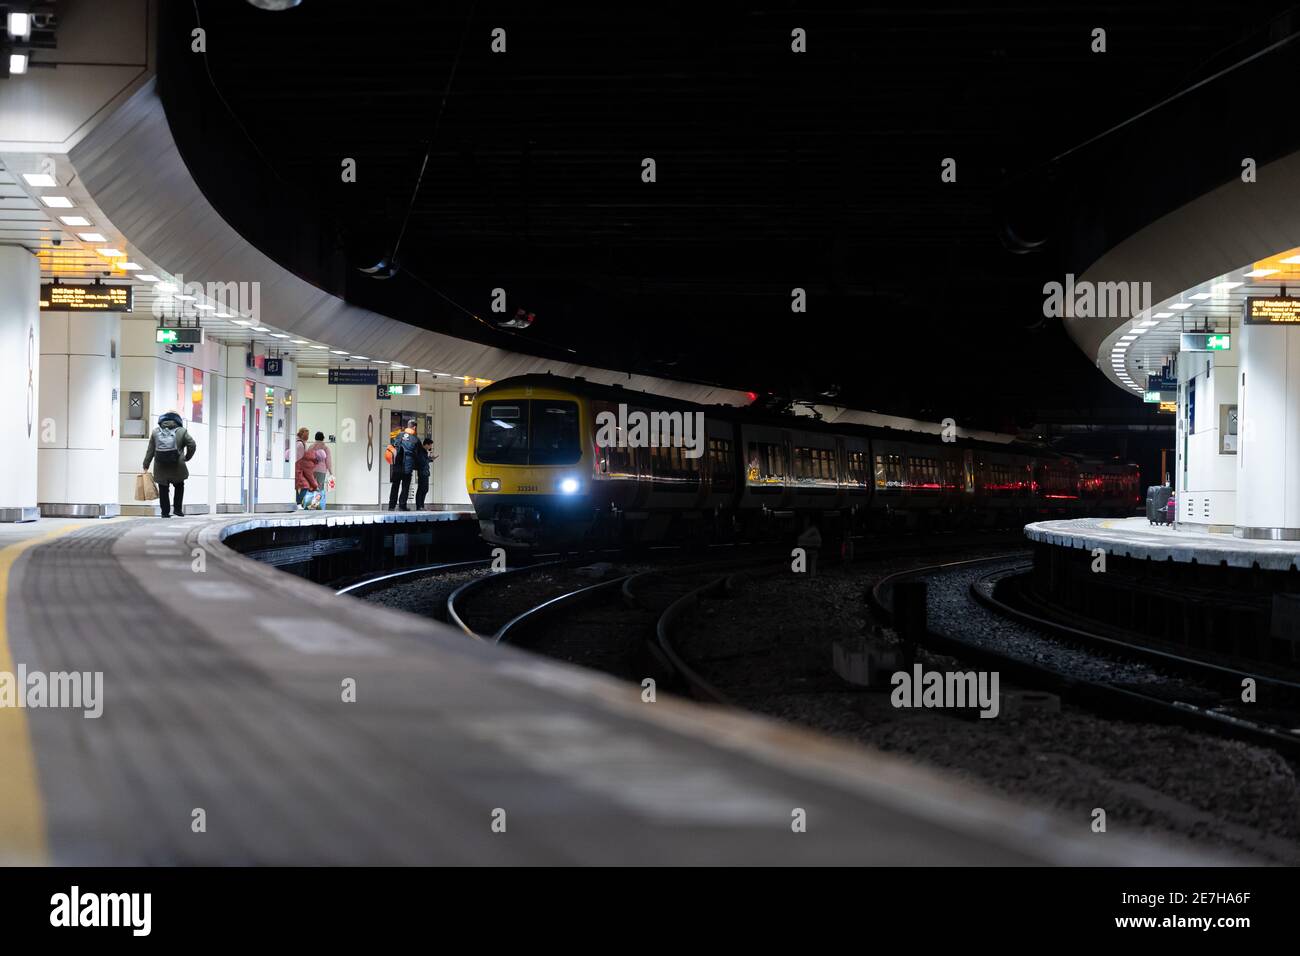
{"x":20,"y":349}
{"x":1268,"y":460}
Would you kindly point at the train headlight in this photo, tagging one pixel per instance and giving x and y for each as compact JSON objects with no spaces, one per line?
{"x":569,"y":485}
{"x":487,"y":484}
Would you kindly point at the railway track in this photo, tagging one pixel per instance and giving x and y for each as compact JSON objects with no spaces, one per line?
{"x":1099,"y":671}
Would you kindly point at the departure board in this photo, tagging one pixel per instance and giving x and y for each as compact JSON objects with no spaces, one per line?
{"x":1272,"y":310}
{"x":62,"y":297}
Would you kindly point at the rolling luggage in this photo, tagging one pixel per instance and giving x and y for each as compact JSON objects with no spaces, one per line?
{"x":1158,"y":503}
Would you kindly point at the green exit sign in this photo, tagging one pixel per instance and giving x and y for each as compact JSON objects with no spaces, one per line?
{"x":179,"y":336}
{"x":1205,"y":342}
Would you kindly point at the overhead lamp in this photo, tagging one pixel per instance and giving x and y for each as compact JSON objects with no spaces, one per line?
{"x":1200,"y":296}
{"x":129,"y":266}
{"x":278,"y":335}
{"x":1163,"y":315}
{"x":202,"y":308}
{"x":242,"y":322}
{"x":1259,"y":273}
{"x":146,"y":277}
{"x":1181,"y":305}
{"x":322,"y":373}
{"x":299,"y":341}
{"x":19,"y":25}
{"x":1291,"y":260}
{"x":108,"y":252}
{"x":320,"y":346}
{"x":1219,"y":288}
{"x":186,"y":298}
{"x":380,"y":362}
{"x":363,"y":358}
{"x":17,"y":64}
{"x":91,"y":237}
{"x":338,"y":352}
{"x":74,"y":220}
{"x":165,"y":286}
{"x":57,"y":202}
{"x":1141,"y":331}
{"x":40,"y":180}
{"x":260,"y":328}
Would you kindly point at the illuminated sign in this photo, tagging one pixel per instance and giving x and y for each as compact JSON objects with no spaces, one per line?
{"x":1205,"y":342}
{"x":60,"y":297}
{"x":274,"y":366}
{"x":178,"y":336}
{"x":354,"y":376}
{"x":1272,"y":310}
{"x":381,"y":393}
{"x":1170,"y":407}
{"x":466,"y":399}
{"x":1161,"y":383}
{"x":399,"y":389}
{"x":1155,"y":396}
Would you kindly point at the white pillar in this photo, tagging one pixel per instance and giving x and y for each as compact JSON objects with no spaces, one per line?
{"x":20,"y":349}
{"x":1268,"y":462}
{"x":78,"y":414}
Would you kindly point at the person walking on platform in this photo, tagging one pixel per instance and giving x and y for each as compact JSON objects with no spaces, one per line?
{"x":325,"y":465}
{"x":300,"y":445}
{"x":406,"y":449}
{"x":170,"y":447}
{"x":422,"y":483}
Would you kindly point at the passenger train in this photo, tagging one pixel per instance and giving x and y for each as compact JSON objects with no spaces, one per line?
{"x":543,"y":473}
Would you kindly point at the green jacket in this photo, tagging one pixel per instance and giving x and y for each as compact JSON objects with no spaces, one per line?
{"x":171,"y":472}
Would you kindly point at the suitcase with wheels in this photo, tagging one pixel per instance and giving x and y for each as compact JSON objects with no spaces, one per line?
{"x":1158,"y":503}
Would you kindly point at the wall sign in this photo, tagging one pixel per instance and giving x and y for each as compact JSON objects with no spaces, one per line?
{"x":274,"y":366}
{"x":1272,"y":310}
{"x":183,"y":335}
{"x":466,"y":399}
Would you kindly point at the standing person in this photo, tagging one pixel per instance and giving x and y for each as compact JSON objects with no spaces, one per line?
{"x":406,"y":448}
{"x":304,"y":474}
{"x":325,"y":465}
{"x":300,"y":446}
{"x":170,"y":447}
{"x":422,"y":467}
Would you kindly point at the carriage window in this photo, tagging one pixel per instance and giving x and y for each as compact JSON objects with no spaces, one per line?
{"x":722,"y":464}
{"x":766,"y":463}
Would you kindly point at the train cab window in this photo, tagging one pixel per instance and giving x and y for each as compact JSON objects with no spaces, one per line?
{"x":503,"y":433}
{"x":554,"y":433}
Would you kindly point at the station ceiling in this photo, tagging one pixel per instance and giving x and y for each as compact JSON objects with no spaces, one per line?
{"x":774,"y":170}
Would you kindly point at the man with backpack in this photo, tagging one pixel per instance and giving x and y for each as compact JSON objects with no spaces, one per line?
{"x":405,"y":459}
{"x":170,"y":447}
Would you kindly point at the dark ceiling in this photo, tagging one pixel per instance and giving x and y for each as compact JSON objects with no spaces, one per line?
{"x":775,"y":170}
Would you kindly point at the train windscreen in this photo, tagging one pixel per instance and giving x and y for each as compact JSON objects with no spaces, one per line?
{"x":529,"y":432}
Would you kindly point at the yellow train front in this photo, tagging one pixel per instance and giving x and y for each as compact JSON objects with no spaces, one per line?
{"x":530,"y":468}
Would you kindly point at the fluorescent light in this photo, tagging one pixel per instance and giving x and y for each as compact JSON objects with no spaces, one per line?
{"x":243,"y":323}
{"x":91,"y":237}
{"x":278,"y":335}
{"x":1128,"y":338}
{"x":1291,"y":260}
{"x":1257,"y":273}
{"x":204,"y":308}
{"x":74,"y":220}
{"x":17,"y":64}
{"x":364,"y":358}
{"x":322,"y":373}
{"x":260,"y":328}
{"x":338,"y":352}
{"x":1181,"y":305}
{"x":1148,"y":324}
{"x":129,"y":266}
{"x":20,"y":25}
{"x":299,"y":341}
{"x":40,"y":180}
{"x":1163,"y":315}
{"x":1141,"y":331}
{"x":186,"y":298}
{"x":1219,"y":288}
{"x":320,"y":346}
{"x":398,"y":365}
{"x":379,"y":362}
{"x":1200,"y":296}
{"x":166,"y":287}
{"x":146,"y":277}
{"x":57,"y":202}
{"x":108,"y":252}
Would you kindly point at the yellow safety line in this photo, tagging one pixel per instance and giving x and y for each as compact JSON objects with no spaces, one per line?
{"x":22,"y":814}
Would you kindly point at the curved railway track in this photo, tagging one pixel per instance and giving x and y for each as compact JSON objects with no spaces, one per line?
{"x":1099,"y":671}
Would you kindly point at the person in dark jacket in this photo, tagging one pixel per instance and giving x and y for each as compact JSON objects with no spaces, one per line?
{"x":170,"y":447}
{"x":422,"y":468}
{"x":405,"y":460}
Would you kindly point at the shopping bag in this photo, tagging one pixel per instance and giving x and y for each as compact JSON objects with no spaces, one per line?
{"x":316,"y":500}
{"x":145,"y":487}
{"x":329,"y":483}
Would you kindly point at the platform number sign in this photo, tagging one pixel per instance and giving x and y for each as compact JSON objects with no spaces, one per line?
{"x":466,"y":399}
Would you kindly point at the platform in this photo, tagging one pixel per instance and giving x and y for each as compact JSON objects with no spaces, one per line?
{"x":222,"y":701}
{"x":1136,"y":538}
